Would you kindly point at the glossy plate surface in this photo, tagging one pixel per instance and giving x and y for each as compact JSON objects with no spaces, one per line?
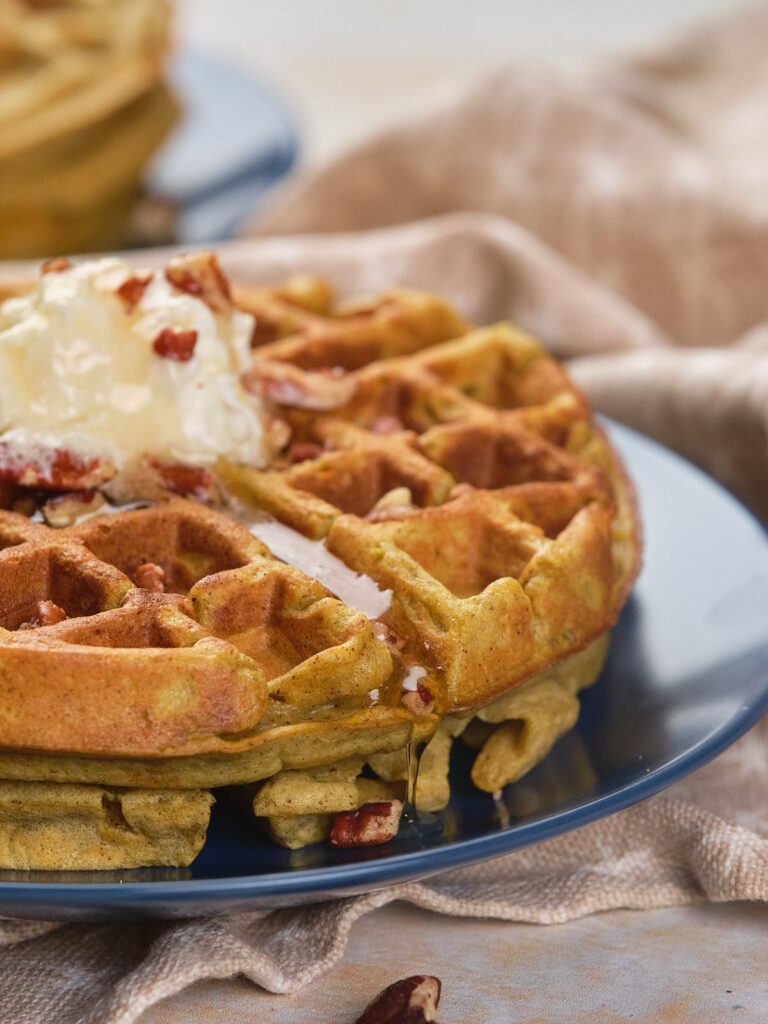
{"x":687,"y":675}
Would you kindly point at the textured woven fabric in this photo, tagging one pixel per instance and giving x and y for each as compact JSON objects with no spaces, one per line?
{"x":624,"y":219}
{"x":637,"y":193}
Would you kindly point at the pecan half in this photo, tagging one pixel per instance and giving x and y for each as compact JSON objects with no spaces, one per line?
{"x":55,"y":265}
{"x":370,"y":825}
{"x":46,"y":614}
{"x":200,"y":274}
{"x":411,"y":1000}
{"x":419,"y":701}
{"x":131,"y":291}
{"x":150,"y":576}
{"x":176,"y":344}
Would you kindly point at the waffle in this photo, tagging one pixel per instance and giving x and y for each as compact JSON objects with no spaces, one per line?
{"x":454,"y":472}
{"x":512,"y":734}
{"x":242,"y":666}
{"x":467,"y":477}
{"x":462,"y":471}
{"x":83,"y":106}
{"x":53,"y":827}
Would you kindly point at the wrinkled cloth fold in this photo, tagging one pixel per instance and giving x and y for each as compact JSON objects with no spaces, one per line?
{"x":642,"y":188}
{"x":622,"y":217}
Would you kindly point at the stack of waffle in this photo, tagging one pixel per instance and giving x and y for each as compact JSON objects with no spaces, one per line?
{"x":462,"y":537}
{"x":83,"y":105}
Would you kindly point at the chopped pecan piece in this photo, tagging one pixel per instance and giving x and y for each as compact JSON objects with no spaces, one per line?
{"x":411,"y":1000}
{"x":286,"y":384}
{"x":53,"y":469}
{"x":55,"y":265}
{"x":200,"y":274}
{"x":150,"y":576}
{"x":64,"y":509}
{"x":370,"y":825}
{"x":47,"y":614}
{"x":183,"y":479}
{"x":176,"y":344}
{"x":419,"y":701}
{"x":132,"y":289}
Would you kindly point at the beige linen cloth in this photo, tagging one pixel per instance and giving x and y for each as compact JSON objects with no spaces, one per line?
{"x":623,"y":217}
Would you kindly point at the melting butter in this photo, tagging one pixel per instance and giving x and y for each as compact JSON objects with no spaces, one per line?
{"x":357,"y":590}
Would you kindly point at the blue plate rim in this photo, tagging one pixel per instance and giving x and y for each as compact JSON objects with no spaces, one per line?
{"x":411,"y":866}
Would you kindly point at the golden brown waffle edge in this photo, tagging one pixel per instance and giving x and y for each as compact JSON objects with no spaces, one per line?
{"x":457,"y":467}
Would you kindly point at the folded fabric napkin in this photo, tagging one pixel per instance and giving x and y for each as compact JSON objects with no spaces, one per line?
{"x":635,"y":231}
{"x":623,"y":218}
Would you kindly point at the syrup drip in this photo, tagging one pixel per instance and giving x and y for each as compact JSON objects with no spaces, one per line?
{"x":419,"y":827}
{"x":501,"y":810}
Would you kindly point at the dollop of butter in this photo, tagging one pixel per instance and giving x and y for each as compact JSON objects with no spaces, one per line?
{"x":80,"y":371}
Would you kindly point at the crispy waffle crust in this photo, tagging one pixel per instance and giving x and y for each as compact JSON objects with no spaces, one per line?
{"x":47,"y":826}
{"x":457,"y":468}
{"x":243,"y":666}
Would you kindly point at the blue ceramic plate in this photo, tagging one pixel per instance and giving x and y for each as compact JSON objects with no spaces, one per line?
{"x":687,"y":674}
{"x":234,"y":141}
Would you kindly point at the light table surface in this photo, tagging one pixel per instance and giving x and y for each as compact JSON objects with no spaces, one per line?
{"x":682,"y":965}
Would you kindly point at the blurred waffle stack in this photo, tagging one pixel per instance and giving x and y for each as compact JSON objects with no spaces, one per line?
{"x":83,"y":106}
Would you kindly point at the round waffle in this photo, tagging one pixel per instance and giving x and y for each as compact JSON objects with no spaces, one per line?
{"x":456,"y":470}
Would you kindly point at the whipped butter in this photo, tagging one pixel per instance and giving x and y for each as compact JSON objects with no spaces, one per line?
{"x":84,"y":370}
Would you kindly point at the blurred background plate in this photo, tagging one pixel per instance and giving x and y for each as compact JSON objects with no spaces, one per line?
{"x":687,"y":674}
{"x":235,"y":140}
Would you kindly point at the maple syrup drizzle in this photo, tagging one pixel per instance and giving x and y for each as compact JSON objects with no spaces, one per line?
{"x":502,"y":811}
